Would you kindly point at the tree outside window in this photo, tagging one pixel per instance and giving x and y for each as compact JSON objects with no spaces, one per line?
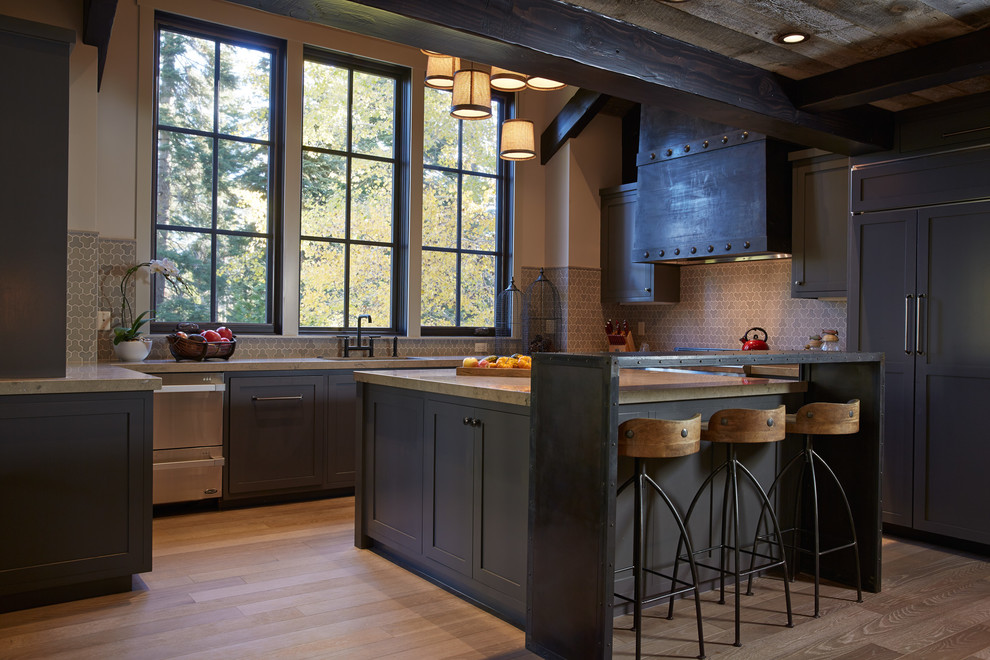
{"x":464,"y":218}
{"x":217,"y":124}
{"x":349,"y":242}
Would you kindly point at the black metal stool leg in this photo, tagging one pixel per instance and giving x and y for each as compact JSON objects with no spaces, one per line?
{"x":852,"y":524}
{"x":778,"y":536}
{"x":694,"y":567}
{"x":734,"y":479}
{"x":759,"y":523}
{"x":815,"y":531}
{"x":638,"y":556}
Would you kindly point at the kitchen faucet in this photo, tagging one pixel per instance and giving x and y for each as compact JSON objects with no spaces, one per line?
{"x":370,"y":348}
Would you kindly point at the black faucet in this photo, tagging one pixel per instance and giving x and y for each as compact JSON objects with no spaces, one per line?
{"x":358,"y":347}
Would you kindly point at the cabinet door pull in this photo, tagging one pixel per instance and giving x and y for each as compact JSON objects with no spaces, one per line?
{"x":297,"y":397}
{"x":907,"y":323}
{"x":475,"y":422}
{"x":467,"y":421}
{"x":918,"y":342}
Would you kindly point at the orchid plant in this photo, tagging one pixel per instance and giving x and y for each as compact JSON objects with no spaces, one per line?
{"x":130,"y":327}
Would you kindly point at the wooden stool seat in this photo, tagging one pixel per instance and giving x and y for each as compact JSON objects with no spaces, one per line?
{"x":642,"y":439}
{"x":660,"y":438}
{"x":825,"y":419}
{"x":745,"y":425}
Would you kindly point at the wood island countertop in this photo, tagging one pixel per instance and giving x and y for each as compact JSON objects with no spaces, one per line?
{"x":635,"y":385}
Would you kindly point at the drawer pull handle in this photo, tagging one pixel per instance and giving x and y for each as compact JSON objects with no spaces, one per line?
{"x":297,"y":397}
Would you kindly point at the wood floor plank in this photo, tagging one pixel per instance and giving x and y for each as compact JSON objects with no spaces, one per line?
{"x":284,"y":582}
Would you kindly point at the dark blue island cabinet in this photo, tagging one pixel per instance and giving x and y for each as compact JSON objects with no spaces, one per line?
{"x":502,"y":489}
{"x":75,"y":495}
{"x":444,"y":491}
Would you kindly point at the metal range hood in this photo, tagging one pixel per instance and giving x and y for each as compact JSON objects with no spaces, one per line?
{"x":723,"y":197}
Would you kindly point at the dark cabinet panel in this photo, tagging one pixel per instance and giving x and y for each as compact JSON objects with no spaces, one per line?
{"x":393,"y":468}
{"x":952,"y":380}
{"x":341,"y":431}
{"x":820,"y":227}
{"x":502,"y":502}
{"x":449,"y":475}
{"x":276,"y":430}
{"x":34,"y":61}
{"x":920,"y":277}
{"x":881,"y":318}
{"x":75,"y":493}
{"x":624,"y":281}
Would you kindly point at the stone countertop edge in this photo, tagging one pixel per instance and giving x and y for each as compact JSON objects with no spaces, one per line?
{"x":676,"y":387}
{"x":81,"y":378}
{"x":286,"y":364}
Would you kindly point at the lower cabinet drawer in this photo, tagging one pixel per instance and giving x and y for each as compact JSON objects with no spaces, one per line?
{"x":186,"y":475}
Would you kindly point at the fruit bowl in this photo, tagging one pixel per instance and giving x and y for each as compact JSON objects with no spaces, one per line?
{"x":184,"y":348}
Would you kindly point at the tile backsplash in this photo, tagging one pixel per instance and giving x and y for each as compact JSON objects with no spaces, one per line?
{"x":719,"y":302}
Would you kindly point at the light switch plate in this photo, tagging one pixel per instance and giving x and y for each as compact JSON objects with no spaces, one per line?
{"x":102,"y":320}
{"x":641,"y":328}
{"x":480,"y":347}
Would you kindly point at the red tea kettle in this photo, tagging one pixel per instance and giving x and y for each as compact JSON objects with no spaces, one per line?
{"x":755,"y":344}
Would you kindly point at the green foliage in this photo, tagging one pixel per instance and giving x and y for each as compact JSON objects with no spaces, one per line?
{"x":186,"y":179}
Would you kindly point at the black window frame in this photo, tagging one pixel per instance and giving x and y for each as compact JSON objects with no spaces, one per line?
{"x":504,"y":225}
{"x":400,"y":186}
{"x":277,"y":104}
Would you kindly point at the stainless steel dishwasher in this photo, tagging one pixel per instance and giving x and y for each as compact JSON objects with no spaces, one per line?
{"x":188,"y":438}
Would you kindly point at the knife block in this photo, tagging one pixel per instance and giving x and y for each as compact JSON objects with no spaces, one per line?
{"x":621,"y":342}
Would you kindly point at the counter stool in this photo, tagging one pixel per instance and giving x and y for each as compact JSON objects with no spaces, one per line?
{"x":657,"y":438}
{"x":734,"y":426}
{"x":819,"y":419}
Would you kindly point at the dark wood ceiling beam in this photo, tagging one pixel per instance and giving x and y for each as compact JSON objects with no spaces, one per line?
{"x":592,"y":51}
{"x":97,"y":23}
{"x":940,"y":63}
{"x":570,"y":121}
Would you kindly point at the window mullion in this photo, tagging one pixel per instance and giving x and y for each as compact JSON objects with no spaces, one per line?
{"x":214,"y":241}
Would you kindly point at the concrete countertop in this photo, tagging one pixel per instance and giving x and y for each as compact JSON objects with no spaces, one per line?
{"x":635,"y":385}
{"x":288,"y":364}
{"x":83,"y":378}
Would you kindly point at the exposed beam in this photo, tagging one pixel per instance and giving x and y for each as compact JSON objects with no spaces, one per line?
{"x":97,"y":24}
{"x":592,"y":51}
{"x":940,"y":63}
{"x":570,"y":121}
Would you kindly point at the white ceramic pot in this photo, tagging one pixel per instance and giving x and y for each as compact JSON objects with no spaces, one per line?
{"x":134,"y":350}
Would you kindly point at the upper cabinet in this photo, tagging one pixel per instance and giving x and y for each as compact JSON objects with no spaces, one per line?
{"x":622,"y":280}
{"x":820,"y":226}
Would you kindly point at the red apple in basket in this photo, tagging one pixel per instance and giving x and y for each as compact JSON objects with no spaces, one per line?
{"x":211,"y":335}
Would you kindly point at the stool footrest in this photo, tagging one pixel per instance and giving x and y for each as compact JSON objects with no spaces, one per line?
{"x":766,"y":538}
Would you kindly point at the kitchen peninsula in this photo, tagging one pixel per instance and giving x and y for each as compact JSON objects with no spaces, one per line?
{"x":505,"y":494}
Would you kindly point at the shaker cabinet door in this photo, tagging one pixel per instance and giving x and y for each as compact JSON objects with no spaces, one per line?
{"x":952,"y":378}
{"x":882,"y":310}
{"x":276,"y":434}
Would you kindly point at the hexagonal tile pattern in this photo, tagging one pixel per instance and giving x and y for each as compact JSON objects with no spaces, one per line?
{"x":82,"y":289}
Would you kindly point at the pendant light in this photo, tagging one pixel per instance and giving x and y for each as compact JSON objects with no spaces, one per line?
{"x":518,"y":142}
{"x":472,"y":93}
{"x":507,"y":81}
{"x":440,"y":71}
{"x":544,"y":84}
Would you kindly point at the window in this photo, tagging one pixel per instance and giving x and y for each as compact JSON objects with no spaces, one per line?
{"x":465,"y":218}
{"x":218,"y":139}
{"x":353,"y":140}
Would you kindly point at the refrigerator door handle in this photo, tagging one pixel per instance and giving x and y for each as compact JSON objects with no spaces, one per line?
{"x":918,"y":344}
{"x":907,"y":323}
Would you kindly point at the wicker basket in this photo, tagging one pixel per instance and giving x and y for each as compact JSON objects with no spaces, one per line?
{"x":183,"y":348}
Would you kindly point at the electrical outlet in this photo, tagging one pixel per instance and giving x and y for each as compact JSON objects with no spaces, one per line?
{"x":641,"y":328}
{"x":102,"y":320}
{"x":480,"y":347}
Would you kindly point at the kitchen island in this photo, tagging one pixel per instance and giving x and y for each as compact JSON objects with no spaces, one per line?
{"x":503,"y":489}
{"x":75,"y":484}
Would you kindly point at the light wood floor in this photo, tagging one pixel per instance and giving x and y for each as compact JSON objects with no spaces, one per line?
{"x":286,"y":582}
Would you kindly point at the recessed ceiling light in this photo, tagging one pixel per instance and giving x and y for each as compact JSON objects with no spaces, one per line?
{"x":793,"y":37}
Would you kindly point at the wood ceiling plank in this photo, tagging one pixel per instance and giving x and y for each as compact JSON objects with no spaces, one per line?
{"x":576,"y":46}
{"x":974,"y":13}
